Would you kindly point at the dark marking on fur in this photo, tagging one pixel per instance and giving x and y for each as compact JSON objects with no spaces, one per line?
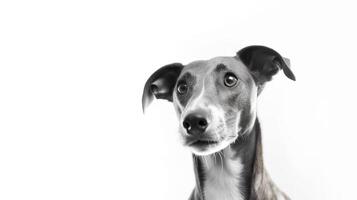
{"x":190,"y":80}
{"x":220,"y":67}
{"x":233,"y":100}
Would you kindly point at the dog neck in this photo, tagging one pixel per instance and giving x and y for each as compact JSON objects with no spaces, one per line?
{"x":229,"y":174}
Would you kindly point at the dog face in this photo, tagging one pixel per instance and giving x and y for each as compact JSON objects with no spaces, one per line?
{"x":215,"y":99}
{"x":215,"y":102}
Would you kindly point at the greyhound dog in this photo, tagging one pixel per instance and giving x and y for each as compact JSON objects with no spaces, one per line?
{"x":215,"y":101}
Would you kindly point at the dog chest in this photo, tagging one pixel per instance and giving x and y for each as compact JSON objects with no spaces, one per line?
{"x":222,"y":179}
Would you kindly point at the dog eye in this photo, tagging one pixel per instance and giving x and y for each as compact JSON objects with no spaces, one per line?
{"x":230,"y":80}
{"x":182,"y":88}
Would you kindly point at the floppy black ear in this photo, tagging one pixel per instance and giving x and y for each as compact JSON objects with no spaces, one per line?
{"x":161,"y":84}
{"x":264,"y":62}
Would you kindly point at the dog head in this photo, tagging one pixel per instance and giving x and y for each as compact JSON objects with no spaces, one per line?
{"x":215,"y":99}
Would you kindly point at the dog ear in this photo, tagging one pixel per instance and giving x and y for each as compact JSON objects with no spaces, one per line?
{"x":264,"y":62}
{"x":161,"y":84}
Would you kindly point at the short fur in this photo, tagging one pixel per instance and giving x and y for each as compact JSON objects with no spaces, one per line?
{"x":255,"y":182}
{"x":227,"y":145}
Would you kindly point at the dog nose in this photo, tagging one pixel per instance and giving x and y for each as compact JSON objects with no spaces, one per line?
{"x":195,"y":124}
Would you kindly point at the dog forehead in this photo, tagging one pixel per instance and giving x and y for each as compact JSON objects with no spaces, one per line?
{"x":204,"y":67}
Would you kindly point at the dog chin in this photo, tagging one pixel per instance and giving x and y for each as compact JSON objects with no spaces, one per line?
{"x":209,"y":149}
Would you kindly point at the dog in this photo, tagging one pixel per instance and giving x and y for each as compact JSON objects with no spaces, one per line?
{"x":215,"y":101}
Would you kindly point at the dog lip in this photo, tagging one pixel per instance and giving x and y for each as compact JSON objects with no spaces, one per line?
{"x":202,"y":142}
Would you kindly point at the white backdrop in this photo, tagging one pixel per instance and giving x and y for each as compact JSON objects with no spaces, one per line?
{"x":72,"y":73}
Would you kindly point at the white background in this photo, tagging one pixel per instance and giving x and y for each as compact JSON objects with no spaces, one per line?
{"x":72,"y":74}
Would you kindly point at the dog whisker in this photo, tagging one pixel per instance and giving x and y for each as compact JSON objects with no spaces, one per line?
{"x":219,"y":153}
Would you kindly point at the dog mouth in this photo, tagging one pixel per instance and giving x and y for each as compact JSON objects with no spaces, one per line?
{"x":203,"y":143}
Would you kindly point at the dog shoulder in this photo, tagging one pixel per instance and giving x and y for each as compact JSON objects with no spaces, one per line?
{"x":265,"y":189}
